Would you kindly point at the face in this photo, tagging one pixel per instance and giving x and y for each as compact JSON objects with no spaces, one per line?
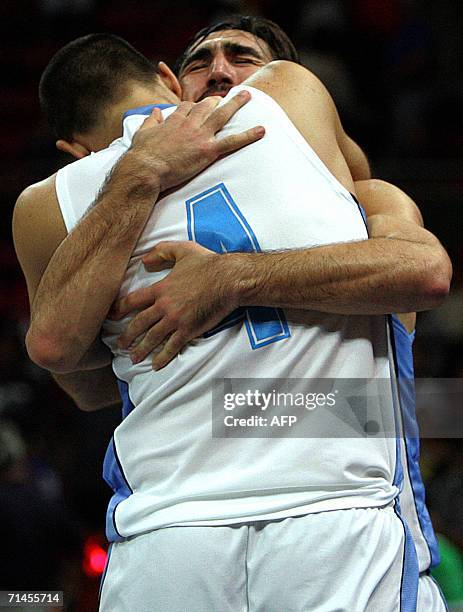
{"x":219,"y":62}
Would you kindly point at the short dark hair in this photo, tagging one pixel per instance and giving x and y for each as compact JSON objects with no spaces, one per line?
{"x":278,"y":41}
{"x":84,"y":77}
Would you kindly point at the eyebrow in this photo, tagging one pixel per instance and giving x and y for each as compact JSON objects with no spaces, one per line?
{"x":230,"y":48}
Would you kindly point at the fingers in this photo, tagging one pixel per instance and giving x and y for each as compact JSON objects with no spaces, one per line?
{"x":237,"y":141}
{"x":153,"y":338}
{"x":224,"y":113}
{"x":201,"y":111}
{"x":138,"y":325}
{"x":165,"y":254}
{"x":155,"y":118}
{"x":171,"y":349}
{"x":157,"y":260}
{"x":207,"y":113}
{"x":141,"y":298}
{"x":182,"y":110}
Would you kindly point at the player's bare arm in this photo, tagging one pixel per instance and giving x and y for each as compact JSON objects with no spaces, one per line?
{"x":38,"y":230}
{"x":91,"y":389}
{"x":383,"y":274}
{"x":86,"y":269}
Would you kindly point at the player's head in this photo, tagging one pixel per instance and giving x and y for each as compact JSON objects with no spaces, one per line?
{"x":92,"y":81}
{"x":225,"y":54}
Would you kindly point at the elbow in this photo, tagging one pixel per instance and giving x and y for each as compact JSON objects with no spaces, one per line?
{"x":45,"y":351}
{"x":438,"y":277}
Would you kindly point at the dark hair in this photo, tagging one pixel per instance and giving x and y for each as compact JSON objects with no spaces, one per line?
{"x":84,"y":77}
{"x":278,"y":41}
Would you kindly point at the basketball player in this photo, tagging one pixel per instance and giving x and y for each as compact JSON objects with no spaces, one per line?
{"x":218,"y":58}
{"x":211,"y":64}
{"x":258,"y":542}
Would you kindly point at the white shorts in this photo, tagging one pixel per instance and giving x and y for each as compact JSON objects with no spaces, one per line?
{"x":346,"y":560}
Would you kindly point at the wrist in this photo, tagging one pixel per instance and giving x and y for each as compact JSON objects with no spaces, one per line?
{"x":126,"y":199}
{"x":241,"y":270}
{"x":138,"y":175}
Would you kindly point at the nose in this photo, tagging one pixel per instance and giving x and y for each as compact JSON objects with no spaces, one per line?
{"x":221,"y":71}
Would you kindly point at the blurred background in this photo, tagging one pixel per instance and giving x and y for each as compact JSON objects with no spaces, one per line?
{"x":395,"y":70}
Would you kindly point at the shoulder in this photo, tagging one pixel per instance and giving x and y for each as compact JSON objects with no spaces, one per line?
{"x":287,"y":71}
{"x":36,"y":192}
{"x":284,"y":81}
{"x":38,"y":226}
{"x":301,"y":95}
{"x":310,"y":108}
{"x":35,"y":204}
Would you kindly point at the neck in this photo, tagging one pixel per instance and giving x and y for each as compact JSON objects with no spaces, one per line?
{"x":164,"y":96}
{"x":112,"y":127}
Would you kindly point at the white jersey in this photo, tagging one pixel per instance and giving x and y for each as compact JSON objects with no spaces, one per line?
{"x":164,"y":463}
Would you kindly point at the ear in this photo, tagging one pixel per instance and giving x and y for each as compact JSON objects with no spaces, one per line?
{"x":73,"y":148}
{"x":169,"y":79}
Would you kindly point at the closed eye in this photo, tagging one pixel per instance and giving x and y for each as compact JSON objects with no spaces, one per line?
{"x":248,"y":60}
{"x":196,"y":66}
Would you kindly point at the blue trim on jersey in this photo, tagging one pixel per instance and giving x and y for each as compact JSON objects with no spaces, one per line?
{"x":405,"y":371}
{"x":115,"y":477}
{"x":410,"y":569}
{"x":127,"y":404}
{"x":399,"y":472}
{"x":402,"y":343}
{"x":145,"y":110}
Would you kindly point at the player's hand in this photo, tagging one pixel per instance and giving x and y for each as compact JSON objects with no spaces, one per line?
{"x":190,"y":300}
{"x":186,"y":142}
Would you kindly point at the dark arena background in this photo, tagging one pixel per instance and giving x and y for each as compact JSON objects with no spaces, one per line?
{"x":395,"y":70}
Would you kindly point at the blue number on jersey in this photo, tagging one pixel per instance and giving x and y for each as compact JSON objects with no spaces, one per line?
{"x":215,"y":222}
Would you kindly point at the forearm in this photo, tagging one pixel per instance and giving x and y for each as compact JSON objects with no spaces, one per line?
{"x":380,"y":275}
{"x":90,"y":389}
{"x":402,"y":268}
{"x":85,"y":273}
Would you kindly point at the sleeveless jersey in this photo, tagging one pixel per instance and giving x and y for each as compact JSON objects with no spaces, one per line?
{"x":164,"y":463}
